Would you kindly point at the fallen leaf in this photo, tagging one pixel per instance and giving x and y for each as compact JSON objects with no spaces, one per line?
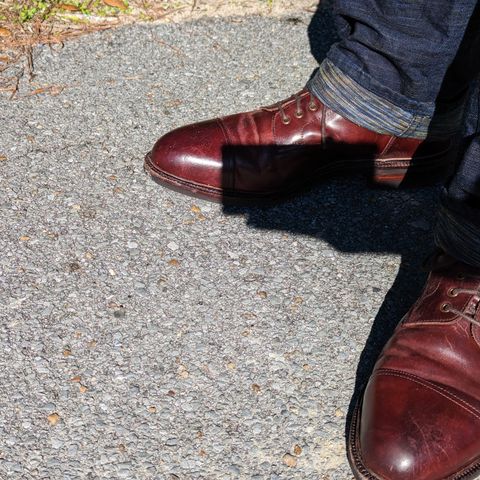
{"x":195,"y":209}
{"x":67,"y":352}
{"x":152,"y":409}
{"x":231,"y":366}
{"x":289,"y":460}
{"x":174,"y":262}
{"x":24,"y":238}
{"x":83,"y":389}
{"x":262,"y":294}
{"x":53,"y":419}
{"x":115,"y":3}
{"x":202,"y":453}
{"x":118,"y":190}
{"x":76,"y":379}
{"x":68,"y":7}
{"x":3,"y":158}
{"x":5,"y":32}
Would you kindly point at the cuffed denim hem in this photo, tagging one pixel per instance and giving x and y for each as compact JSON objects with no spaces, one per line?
{"x":458,"y":235}
{"x":348,"y":98}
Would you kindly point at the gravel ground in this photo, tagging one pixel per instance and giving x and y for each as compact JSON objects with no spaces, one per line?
{"x":148,"y":335}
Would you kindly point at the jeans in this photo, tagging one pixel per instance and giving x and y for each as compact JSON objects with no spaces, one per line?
{"x":458,"y":227}
{"x":412,"y":69}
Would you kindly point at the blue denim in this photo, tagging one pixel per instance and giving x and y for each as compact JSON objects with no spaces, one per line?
{"x":412,"y":68}
{"x":458,"y":227}
{"x":360,"y":105}
{"x":412,"y":54}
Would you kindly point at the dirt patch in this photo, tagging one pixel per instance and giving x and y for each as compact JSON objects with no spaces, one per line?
{"x":219,"y":8}
{"x":28,"y":22}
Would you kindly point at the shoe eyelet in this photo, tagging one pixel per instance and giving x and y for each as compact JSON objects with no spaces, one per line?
{"x":445,"y":307}
{"x":299,"y":114}
{"x":460,"y":276}
{"x":312,"y":107}
{"x":286,"y":120}
{"x":452,"y":292}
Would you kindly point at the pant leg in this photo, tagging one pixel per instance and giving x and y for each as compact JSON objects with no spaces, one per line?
{"x":394,"y":62}
{"x":458,"y":227}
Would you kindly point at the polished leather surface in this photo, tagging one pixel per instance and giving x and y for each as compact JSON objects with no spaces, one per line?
{"x":258,"y":153}
{"x":420,"y":415}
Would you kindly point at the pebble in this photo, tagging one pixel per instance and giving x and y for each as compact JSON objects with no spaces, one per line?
{"x":289,"y":460}
{"x":172,"y":246}
{"x":56,"y":443}
{"x":256,"y":429}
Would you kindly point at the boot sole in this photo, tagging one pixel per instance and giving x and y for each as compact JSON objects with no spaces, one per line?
{"x":392,"y":173}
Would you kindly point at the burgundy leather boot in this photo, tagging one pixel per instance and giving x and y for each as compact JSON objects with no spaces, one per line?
{"x":420,"y":414}
{"x":277,"y":150}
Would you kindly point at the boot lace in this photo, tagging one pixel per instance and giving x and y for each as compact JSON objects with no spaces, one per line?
{"x":454,"y":292}
{"x":312,"y":106}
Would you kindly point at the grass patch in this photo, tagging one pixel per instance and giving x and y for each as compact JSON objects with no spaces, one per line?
{"x":25,"y":23}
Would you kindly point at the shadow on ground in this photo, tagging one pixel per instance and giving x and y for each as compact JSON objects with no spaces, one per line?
{"x":354,"y":218}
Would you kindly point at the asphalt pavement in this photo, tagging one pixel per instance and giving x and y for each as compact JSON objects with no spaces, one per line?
{"x":149,"y":335}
